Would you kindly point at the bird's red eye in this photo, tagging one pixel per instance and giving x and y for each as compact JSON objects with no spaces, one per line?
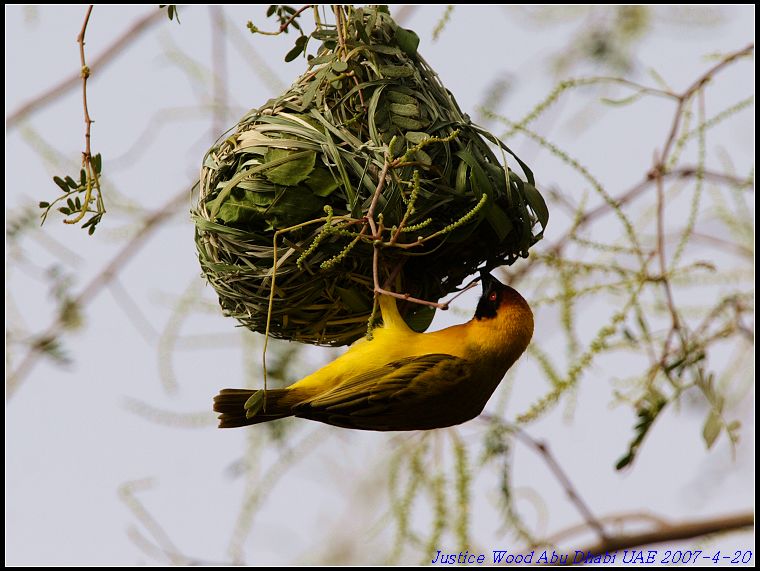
{"x":493,"y":296}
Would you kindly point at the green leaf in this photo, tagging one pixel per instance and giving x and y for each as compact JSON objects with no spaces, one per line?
{"x":339,"y":66}
{"x":59,"y":181}
{"x":648,"y":411}
{"x":499,"y":221}
{"x":44,"y":204}
{"x":240,"y":208}
{"x":416,"y":137}
{"x":462,"y":172}
{"x":396,"y":71}
{"x":360,"y":29}
{"x":321,"y":59}
{"x":401,"y":97}
{"x":171,"y":11}
{"x":322,"y":182}
{"x":97,"y":163}
{"x":396,"y":146}
{"x":292,"y":206}
{"x":71,"y":182}
{"x":408,"y":41}
{"x":353,"y":300}
{"x":537,"y":203}
{"x":624,"y":461}
{"x":421,"y":319}
{"x":481,"y":184}
{"x":311,"y":91}
{"x":733,"y":430}
{"x":385,"y":50}
{"x":293,"y":171}
{"x":324,"y":34}
{"x":412,"y":110}
{"x":712,"y":429}
{"x":659,"y":79}
{"x":407,"y":123}
{"x":92,"y":221}
{"x":271,"y":10}
{"x":297,"y":49}
{"x":423,"y":157}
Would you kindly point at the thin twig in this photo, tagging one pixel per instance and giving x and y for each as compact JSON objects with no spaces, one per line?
{"x":272,"y":284}
{"x":131,"y":35}
{"x":693,"y":88}
{"x":153,"y":551}
{"x":658,"y":169}
{"x":377,"y":241}
{"x":559,"y":473}
{"x":95,"y":286}
{"x":556,"y":469}
{"x":661,"y":253}
{"x":617,"y":520}
{"x":286,"y":24}
{"x":723,"y":244}
{"x":340,"y":28}
{"x":375,"y":198}
{"x":92,"y":175}
{"x":150,"y":523}
{"x":671,"y":532}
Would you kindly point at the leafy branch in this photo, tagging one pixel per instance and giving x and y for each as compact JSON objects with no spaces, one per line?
{"x":77,"y":206}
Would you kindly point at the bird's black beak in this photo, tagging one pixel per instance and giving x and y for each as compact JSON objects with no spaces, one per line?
{"x":488,"y":281}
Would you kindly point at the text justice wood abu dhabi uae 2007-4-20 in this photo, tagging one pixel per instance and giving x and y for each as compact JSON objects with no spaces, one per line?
{"x":625,"y":556}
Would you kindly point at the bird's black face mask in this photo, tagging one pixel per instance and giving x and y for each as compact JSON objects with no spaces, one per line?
{"x":491,"y":298}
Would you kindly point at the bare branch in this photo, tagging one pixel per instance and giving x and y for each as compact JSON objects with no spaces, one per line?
{"x":672,"y":532}
{"x":559,"y":473}
{"x":130,"y":36}
{"x":127,"y":493}
{"x":95,"y":286}
{"x":92,"y":173}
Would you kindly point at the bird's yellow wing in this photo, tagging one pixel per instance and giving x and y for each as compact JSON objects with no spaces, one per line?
{"x":414,"y":393}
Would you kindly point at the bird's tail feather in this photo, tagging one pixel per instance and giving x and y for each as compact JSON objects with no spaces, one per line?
{"x":231,"y":406}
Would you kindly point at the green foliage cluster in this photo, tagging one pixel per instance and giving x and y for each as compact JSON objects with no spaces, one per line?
{"x":75,"y":192}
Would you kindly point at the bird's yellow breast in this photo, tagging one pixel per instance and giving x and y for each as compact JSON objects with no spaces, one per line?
{"x":491,"y":346}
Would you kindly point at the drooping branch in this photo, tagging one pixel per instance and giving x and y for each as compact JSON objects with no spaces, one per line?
{"x":129,"y":37}
{"x":668,"y":532}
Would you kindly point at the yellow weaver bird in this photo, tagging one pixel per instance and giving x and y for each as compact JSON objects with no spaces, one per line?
{"x":401,"y":379}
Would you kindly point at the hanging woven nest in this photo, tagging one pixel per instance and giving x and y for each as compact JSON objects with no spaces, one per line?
{"x":288,"y":193}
